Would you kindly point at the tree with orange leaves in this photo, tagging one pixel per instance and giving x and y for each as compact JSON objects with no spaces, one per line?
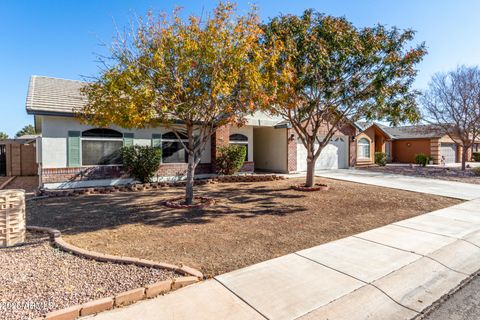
{"x":191,"y":76}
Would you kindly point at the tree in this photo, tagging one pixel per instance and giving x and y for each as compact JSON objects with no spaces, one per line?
{"x":27,"y":130}
{"x":191,"y":76}
{"x":452,"y":102}
{"x":326,"y":73}
{"x":3,"y":135}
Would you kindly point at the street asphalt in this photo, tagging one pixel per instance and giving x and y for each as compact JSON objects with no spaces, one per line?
{"x":463,"y":305}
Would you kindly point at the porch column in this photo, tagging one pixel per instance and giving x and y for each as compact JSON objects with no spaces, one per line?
{"x":292,"y":150}
{"x":220,"y":138}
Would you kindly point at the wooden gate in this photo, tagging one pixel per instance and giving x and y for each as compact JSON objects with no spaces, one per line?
{"x":3,"y":160}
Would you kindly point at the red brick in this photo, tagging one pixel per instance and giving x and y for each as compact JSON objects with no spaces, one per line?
{"x":64,"y":314}
{"x":130,"y":296}
{"x":157,"y":288}
{"x":96,"y":306}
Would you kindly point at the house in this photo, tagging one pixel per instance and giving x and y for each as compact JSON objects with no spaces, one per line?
{"x":72,"y":154}
{"x":403,"y":143}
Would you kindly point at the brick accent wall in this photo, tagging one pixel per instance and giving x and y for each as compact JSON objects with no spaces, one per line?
{"x":54,"y":175}
{"x":220,"y":138}
{"x":248,"y":166}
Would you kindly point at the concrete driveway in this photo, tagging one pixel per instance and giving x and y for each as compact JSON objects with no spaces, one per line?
{"x":393,"y":272}
{"x":452,"y":189}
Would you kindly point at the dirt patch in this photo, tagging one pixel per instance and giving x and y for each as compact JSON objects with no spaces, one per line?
{"x":36,"y":278}
{"x":27,"y":183}
{"x":441,"y":173}
{"x":252,"y":222}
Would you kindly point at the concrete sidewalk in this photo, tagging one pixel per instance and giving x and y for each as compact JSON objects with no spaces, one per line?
{"x":393,"y":272}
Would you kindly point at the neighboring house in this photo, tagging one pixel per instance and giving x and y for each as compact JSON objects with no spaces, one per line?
{"x":373,"y":137}
{"x":403,"y":143}
{"x":72,"y":154}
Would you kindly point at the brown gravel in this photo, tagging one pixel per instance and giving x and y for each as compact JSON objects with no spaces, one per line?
{"x":446,"y":173}
{"x":252,"y":222}
{"x":37,"y":278}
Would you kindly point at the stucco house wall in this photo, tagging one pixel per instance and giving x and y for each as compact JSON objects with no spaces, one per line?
{"x":270,"y":149}
{"x":405,"y":150}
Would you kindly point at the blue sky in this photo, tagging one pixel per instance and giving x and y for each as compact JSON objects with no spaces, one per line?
{"x":60,"y":38}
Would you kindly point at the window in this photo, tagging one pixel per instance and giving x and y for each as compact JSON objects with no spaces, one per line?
{"x":172,"y":149}
{"x":240,"y":139}
{"x":101,"y":147}
{"x":363,"y":148}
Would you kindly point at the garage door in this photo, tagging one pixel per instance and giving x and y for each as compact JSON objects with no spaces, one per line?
{"x":449,"y":152}
{"x":333,"y":156}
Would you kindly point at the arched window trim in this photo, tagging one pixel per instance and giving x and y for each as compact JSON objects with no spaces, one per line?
{"x":238,"y":138}
{"x":363,"y":146}
{"x":102,"y":133}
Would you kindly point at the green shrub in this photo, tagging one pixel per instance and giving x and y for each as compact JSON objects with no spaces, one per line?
{"x":422,"y":159}
{"x":231,"y":158}
{"x":476,"y":171}
{"x":141,"y":161}
{"x":381,"y":158}
{"x":476,"y":156}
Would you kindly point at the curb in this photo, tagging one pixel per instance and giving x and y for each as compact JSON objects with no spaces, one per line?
{"x":190,"y":275}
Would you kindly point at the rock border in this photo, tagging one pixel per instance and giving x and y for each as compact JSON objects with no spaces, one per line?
{"x":318,"y":187}
{"x":152,"y":186}
{"x":190,"y":275}
{"x":175,"y":204}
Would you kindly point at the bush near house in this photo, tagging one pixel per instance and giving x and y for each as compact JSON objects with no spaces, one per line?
{"x":141,"y":161}
{"x":422,"y":159}
{"x":476,"y":156}
{"x":476,"y":171}
{"x":381,"y":158}
{"x":231,"y":159}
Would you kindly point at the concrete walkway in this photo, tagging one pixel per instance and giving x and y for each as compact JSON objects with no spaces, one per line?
{"x":393,"y":272}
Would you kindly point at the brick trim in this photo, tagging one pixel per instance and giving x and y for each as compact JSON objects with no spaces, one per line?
{"x":191,"y":276}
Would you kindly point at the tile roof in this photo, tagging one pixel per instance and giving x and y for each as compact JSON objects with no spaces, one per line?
{"x":407,"y":132}
{"x":54,"y":96}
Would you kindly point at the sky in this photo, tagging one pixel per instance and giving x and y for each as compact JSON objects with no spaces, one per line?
{"x":63,"y":38}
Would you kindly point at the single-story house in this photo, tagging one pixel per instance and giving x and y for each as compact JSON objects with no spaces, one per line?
{"x":72,"y":154}
{"x":403,"y":143}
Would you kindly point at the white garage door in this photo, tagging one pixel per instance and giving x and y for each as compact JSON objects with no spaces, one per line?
{"x":449,"y":152}
{"x":333,"y":156}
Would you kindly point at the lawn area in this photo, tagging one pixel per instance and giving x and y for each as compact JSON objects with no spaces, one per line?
{"x":252,"y":222}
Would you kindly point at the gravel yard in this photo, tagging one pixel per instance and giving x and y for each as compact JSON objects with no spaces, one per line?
{"x":251,"y":222}
{"x":442,"y":173}
{"x":36,"y":278}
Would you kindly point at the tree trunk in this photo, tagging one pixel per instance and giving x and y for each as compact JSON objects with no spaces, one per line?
{"x":464,"y":157}
{"x":310,"y":172}
{"x":190,"y":174}
{"x":190,"y":167}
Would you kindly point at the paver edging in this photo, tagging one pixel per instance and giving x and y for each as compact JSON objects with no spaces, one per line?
{"x":190,"y":275}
